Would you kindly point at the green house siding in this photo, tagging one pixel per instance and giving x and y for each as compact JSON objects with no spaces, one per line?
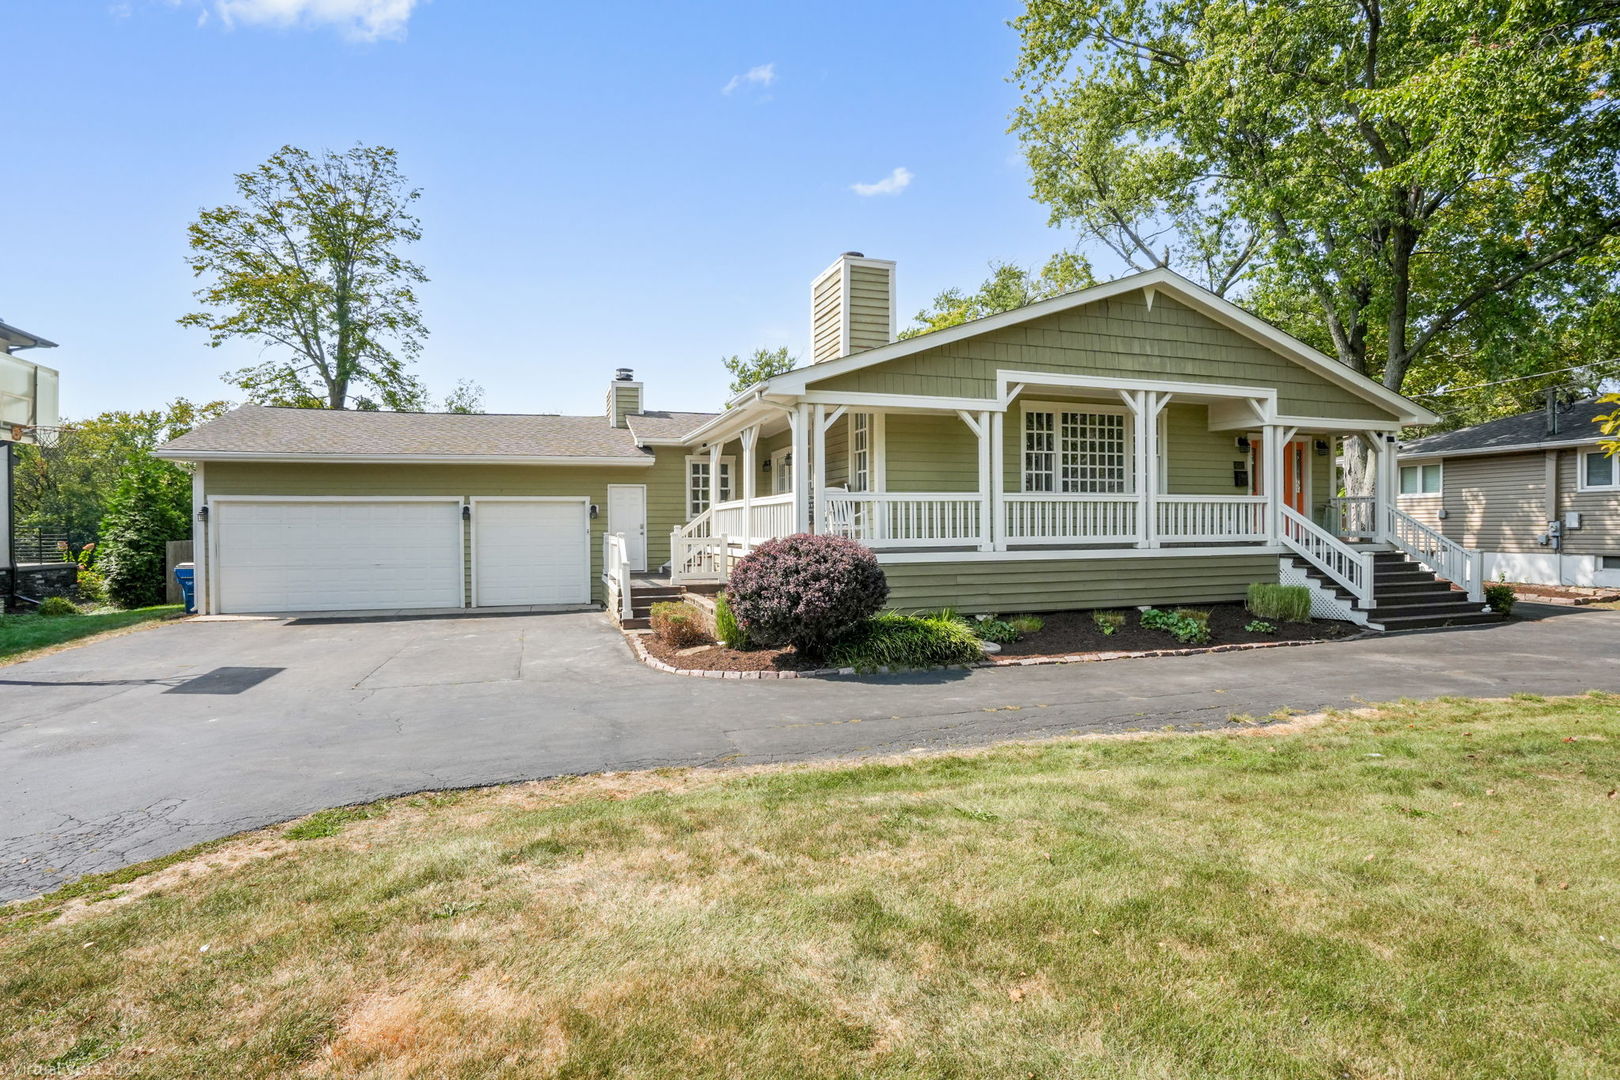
{"x":665,"y":482}
{"x":1007,"y":586}
{"x":926,"y":452}
{"x":868,"y":302}
{"x":1119,"y":337}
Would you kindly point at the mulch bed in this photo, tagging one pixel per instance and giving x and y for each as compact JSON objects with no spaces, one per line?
{"x":720,"y":658}
{"x":1068,"y":633}
{"x":1571,"y":594}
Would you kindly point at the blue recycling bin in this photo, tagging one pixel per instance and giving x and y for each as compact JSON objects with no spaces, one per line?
{"x":186,"y":576}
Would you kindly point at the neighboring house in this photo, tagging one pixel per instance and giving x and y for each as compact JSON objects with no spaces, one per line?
{"x":1111,"y":446}
{"x":30,"y":567}
{"x":1535,"y":492}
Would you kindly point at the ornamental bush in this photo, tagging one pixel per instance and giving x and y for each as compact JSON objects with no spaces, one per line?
{"x":1500,"y":598}
{"x":675,"y":624}
{"x":806,"y":591}
{"x":894,"y":641}
{"x":1288,"y":603}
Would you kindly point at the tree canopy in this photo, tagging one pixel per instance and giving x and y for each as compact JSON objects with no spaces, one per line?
{"x":757,"y":367}
{"x":310,"y":264}
{"x":1009,"y":286}
{"x":1425,"y":183}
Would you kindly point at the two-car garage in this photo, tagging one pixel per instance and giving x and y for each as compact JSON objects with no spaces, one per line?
{"x":280,"y":554}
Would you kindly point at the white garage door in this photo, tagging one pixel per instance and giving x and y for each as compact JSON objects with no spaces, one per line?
{"x":531,"y":551}
{"x":337,"y":555}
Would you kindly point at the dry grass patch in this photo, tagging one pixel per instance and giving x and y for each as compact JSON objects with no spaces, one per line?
{"x":1426,"y":891}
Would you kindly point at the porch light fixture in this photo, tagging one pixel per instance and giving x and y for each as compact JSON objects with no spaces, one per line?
{"x":593,"y":510}
{"x":765,"y":466}
{"x":202,"y":513}
{"x":1243,"y":443}
{"x":1321,"y":448}
{"x":466,"y":512}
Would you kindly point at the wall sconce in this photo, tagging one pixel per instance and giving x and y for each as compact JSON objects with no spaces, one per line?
{"x":1321,"y":448}
{"x":1243,"y":444}
{"x":202,"y":514}
{"x":765,"y":466}
{"x":1240,"y":474}
{"x":466,"y":512}
{"x":594,"y":510}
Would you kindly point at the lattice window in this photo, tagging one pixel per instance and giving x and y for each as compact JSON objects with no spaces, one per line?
{"x":1076,"y":452}
{"x":697,"y":484}
{"x":860,"y":451}
{"x":1040,"y":452}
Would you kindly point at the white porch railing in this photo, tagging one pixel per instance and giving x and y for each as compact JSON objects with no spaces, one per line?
{"x":696,"y":553}
{"x":1211,"y":518}
{"x":765,"y":519}
{"x":1353,"y":515}
{"x":1440,"y":554}
{"x":616,"y":571}
{"x":1344,"y":564}
{"x":927,"y":519}
{"x":1045,"y":517}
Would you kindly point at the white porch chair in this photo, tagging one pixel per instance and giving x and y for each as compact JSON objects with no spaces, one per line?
{"x":840,"y":517}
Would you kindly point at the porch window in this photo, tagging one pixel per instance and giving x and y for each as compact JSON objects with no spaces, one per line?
{"x":1076,"y":452}
{"x":1420,"y":479}
{"x":697,"y":484}
{"x":860,"y":451}
{"x":781,"y":472}
{"x":1598,"y":470}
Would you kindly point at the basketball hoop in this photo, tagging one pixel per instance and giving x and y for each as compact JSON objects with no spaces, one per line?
{"x":44,"y":437}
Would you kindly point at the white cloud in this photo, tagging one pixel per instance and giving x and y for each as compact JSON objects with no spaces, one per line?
{"x":760,"y":76}
{"x":363,"y":20}
{"x":893,"y":184}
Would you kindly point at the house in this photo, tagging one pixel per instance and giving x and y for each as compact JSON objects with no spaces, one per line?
{"x":1536,"y":493}
{"x":1140,"y":442}
{"x":30,"y":566}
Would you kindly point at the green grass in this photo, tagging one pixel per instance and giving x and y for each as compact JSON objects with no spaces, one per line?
{"x":1289,"y":603}
{"x":22,"y":634}
{"x":1424,"y":893}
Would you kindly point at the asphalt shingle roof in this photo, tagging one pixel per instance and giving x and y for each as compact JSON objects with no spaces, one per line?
{"x":667,"y":425}
{"x":258,"y":429}
{"x":1575,"y":424}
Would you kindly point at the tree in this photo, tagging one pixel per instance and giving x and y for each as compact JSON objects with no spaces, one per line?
{"x":757,"y":368}
{"x":1009,"y":286}
{"x":150,"y":507}
{"x":309,"y":264}
{"x":65,"y":487}
{"x":467,"y":397}
{"x":1385,"y":173}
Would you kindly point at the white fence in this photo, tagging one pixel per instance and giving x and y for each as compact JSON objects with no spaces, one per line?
{"x":1053,"y":518}
{"x":1353,"y":515}
{"x":882,"y":520}
{"x":1344,"y":564}
{"x":763,"y":519}
{"x":1440,"y":554}
{"x":1211,"y":518}
{"x":616,"y":571}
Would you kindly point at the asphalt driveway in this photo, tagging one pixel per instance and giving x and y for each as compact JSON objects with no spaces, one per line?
{"x":140,"y":745}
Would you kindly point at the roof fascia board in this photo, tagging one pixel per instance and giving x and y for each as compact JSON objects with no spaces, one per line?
{"x":1515,"y":448}
{"x":400,"y":459}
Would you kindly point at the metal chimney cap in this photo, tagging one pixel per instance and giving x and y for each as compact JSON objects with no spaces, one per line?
{"x":624,"y":374}
{"x":853,"y":255}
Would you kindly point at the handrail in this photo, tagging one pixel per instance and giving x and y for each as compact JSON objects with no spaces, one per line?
{"x":698,"y":526}
{"x":616,"y":570}
{"x":1354,"y":515}
{"x":1344,"y":564}
{"x":1439,"y":553}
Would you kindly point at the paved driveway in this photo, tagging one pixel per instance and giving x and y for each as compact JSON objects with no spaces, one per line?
{"x":140,"y":745}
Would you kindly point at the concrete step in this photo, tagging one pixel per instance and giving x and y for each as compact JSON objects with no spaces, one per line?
{"x":1428,"y":622}
{"x":636,"y":624}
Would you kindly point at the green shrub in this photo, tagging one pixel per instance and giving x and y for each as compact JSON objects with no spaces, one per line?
{"x":1108,"y":622}
{"x":91,"y":587}
{"x":1260,"y":626}
{"x":806,"y":591}
{"x":1028,"y":624}
{"x":150,"y":507}
{"x":1184,"y":624}
{"x":1289,"y":603}
{"x":1500,"y":598}
{"x":997,"y":630}
{"x":893,"y":640}
{"x":726,"y":627}
{"x":675,"y":624}
{"x":53,"y":606}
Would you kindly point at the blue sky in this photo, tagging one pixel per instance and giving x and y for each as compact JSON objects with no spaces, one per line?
{"x":650,"y":185}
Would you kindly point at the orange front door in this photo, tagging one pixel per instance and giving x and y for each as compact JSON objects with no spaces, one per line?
{"x":1296,"y":466}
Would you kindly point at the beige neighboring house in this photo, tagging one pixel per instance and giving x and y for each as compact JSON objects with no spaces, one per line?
{"x":1536,"y":493}
{"x":1139,"y":442}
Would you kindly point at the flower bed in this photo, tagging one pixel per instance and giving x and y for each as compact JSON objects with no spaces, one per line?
{"x":1066,"y":633}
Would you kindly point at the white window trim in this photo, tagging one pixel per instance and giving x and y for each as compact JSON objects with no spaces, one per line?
{"x":1421,"y":494}
{"x":1056,"y":407}
{"x":729,"y":461}
{"x":1580,"y":472}
{"x":779,"y":469}
{"x":876,"y":437}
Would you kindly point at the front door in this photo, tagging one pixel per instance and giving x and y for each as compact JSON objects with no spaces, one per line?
{"x":1296,"y":472}
{"x":627,"y":514}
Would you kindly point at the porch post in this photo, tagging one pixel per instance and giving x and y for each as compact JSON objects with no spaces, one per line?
{"x":998,"y":482}
{"x":818,"y":512}
{"x":987,"y":525}
{"x":749,"y":436}
{"x":799,"y":419}
{"x":1384,"y":483}
{"x":1136,"y":401}
{"x":1153,"y":403}
{"x":1271,"y":469}
{"x":714,"y":480}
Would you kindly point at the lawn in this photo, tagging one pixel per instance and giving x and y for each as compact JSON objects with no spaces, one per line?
{"x":21,"y":634}
{"x":1424,"y":892}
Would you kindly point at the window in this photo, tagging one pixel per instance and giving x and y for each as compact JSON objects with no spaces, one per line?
{"x":860,"y":451}
{"x":1609,"y":562}
{"x":1074,"y":451}
{"x":1420,"y":479}
{"x":1599,"y":470}
{"x":781,"y":472}
{"x":697,"y":484}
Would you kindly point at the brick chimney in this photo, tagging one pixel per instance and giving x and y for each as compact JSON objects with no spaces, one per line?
{"x":851,"y":307}
{"x":623,"y":397}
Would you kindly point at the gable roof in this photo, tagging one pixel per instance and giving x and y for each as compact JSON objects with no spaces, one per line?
{"x":1167,"y":281}
{"x":252,"y":432}
{"x":653,"y":428}
{"x":1577,"y":424}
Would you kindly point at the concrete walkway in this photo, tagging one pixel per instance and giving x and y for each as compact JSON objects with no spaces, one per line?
{"x":141,"y":745}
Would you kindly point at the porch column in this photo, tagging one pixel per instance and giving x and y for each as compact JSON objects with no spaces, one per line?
{"x":1273,"y":443}
{"x":979,"y":424}
{"x":818,"y":432}
{"x":1136,"y":401}
{"x":1384,"y":483}
{"x":749,"y":437}
{"x":998,"y":482}
{"x":1153,"y":403}
{"x":799,"y":420}
{"x":714,"y":481}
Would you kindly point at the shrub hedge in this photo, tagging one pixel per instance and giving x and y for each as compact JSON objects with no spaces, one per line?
{"x":905,"y":641}
{"x":806,"y":591}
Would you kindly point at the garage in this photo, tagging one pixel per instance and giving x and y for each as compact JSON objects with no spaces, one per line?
{"x":531,"y":551}
{"x":336,"y":554}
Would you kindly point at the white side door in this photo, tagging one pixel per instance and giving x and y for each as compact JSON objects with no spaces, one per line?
{"x":627,"y":514}
{"x":531,"y":551}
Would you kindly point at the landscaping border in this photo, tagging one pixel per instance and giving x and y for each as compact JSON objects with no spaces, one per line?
{"x":656,"y":664}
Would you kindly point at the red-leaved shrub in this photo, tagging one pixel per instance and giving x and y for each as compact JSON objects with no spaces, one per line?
{"x":806,"y":591}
